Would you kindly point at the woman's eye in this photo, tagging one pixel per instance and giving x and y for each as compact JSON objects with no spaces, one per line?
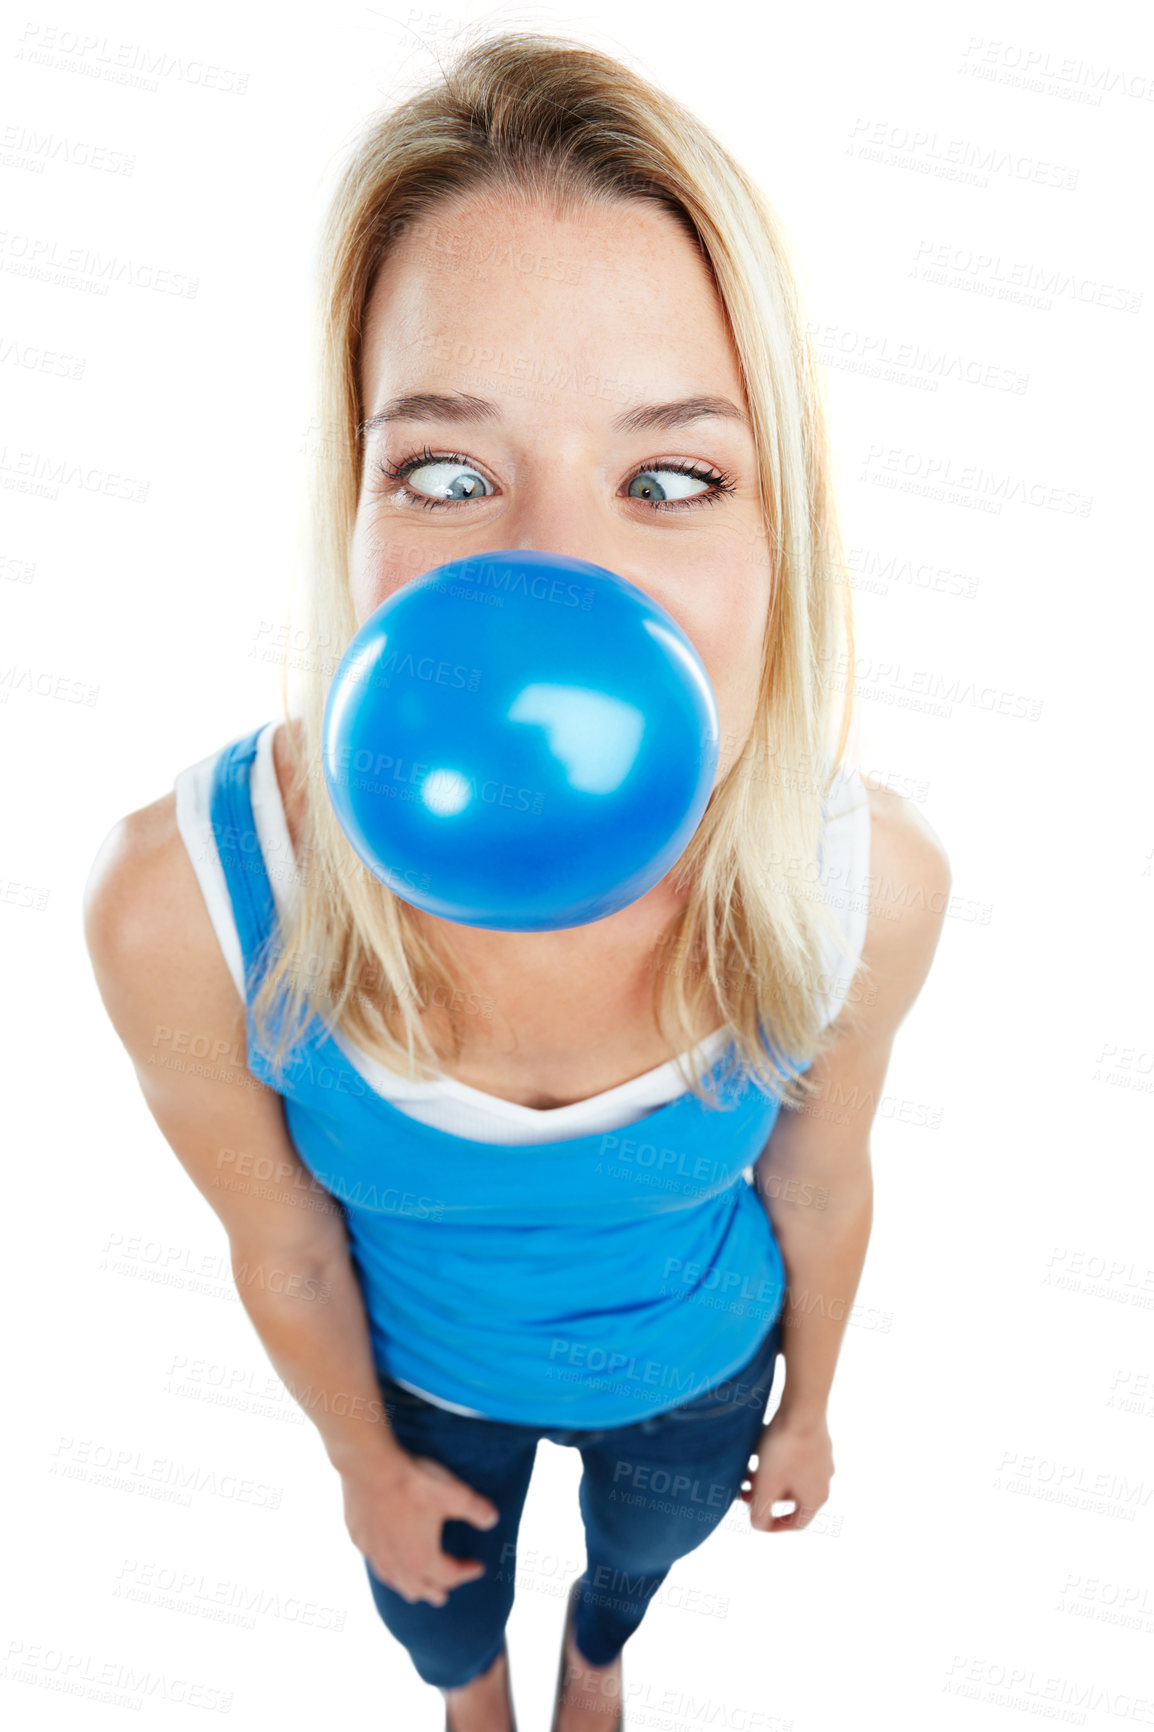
{"x":444,"y":479}
{"x":662,"y":484}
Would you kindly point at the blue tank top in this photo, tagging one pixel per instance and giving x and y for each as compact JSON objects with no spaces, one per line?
{"x":587,"y":1282}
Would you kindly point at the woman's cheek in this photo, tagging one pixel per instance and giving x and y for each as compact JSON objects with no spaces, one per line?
{"x":726,"y":635}
{"x":378,"y":568}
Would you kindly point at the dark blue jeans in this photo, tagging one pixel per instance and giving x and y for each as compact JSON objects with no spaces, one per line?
{"x":651,"y":1492}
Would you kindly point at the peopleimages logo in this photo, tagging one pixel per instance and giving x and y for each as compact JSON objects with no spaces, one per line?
{"x":1039,"y":69}
{"x":502,"y":580}
{"x":961,"y":159}
{"x":401,"y":664}
{"x":1023,"y":281}
{"x":379,"y":773}
{"x":936,"y":476}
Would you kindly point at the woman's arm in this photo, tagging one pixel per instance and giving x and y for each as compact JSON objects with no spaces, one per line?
{"x":814,"y":1173}
{"x":169,"y":995}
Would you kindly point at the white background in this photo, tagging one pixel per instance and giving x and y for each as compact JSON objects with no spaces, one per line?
{"x":990,"y":1519}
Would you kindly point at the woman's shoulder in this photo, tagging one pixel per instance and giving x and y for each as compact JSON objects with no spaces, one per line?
{"x":156,"y":895}
{"x":144,"y":913}
{"x":909,"y":887}
{"x":902,"y":840}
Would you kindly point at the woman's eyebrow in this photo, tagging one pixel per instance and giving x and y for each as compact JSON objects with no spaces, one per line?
{"x":460,"y":407}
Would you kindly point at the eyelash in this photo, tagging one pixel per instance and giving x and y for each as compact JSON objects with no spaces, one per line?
{"x":720,"y":482}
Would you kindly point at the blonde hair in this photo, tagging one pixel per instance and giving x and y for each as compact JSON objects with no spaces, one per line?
{"x":546,"y":118}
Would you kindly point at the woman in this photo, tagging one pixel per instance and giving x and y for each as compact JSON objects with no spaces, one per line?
{"x":485,"y":1174}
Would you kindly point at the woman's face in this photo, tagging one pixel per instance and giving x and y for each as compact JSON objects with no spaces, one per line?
{"x":574,"y":332}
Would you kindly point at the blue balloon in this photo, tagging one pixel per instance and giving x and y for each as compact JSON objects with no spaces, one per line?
{"x":520,"y":741}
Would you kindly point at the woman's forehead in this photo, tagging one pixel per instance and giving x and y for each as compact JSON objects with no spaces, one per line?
{"x":621,"y":311}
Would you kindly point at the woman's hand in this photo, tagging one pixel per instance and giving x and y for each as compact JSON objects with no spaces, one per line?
{"x":794,"y":1462}
{"x":394,"y":1514}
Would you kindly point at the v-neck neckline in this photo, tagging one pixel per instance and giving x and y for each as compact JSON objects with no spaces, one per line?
{"x":365,"y":1065}
{"x":637,"y":1130}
